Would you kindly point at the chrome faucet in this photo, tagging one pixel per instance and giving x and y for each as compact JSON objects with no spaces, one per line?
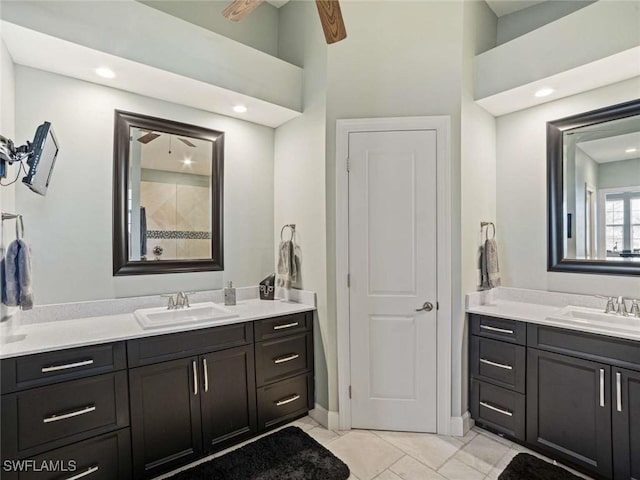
{"x":611,"y":307}
{"x":181,"y":300}
{"x":622,"y":307}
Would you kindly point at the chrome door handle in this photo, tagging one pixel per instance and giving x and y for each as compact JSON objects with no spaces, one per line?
{"x":618,"y":391}
{"x":496,"y":409}
{"x":195,"y":377}
{"x":288,"y":358}
{"x":427,"y":307}
{"x":206,"y":375}
{"x":55,"y":368}
{"x":284,"y":401}
{"x":494,"y":364}
{"x":58,"y":417}
{"x":286,"y":325}
{"x":496,"y":329}
{"x":602,"y":387}
{"x":89,"y":471}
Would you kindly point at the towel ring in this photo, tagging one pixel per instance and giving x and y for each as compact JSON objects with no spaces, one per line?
{"x":292,"y":227}
{"x":19,"y":227}
{"x":486,"y":233}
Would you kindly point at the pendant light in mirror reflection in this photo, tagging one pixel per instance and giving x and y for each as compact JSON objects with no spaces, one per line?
{"x":173,"y":204}
{"x":600,"y":189}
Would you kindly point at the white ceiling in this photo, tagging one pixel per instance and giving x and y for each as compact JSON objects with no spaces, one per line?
{"x":499,"y":7}
{"x":167,"y":153}
{"x":612,"y":149}
{"x":505,"y":7}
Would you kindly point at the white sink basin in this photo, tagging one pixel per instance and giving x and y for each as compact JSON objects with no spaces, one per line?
{"x":595,"y":317}
{"x":207,"y":312}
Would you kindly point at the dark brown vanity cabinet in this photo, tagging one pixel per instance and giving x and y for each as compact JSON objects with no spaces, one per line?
{"x":70,"y":407}
{"x":572,"y":395}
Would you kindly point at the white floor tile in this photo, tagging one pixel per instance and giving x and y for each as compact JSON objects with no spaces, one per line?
{"x":388,"y":475}
{"x":322,"y":435}
{"x":366,"y":454}
{"x":432,"y":450}
{"x":482,"y":453}
{"x":454,"y":469}
{"x":408,"y":468}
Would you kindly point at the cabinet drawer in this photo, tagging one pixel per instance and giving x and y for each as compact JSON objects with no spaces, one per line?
{"x":500,"y":363}
{"x":284,"y":401}
{"x":499,"y":329}
{"x":161,"y":348}
{"x":43,"y":418}
{"x":31,"y":371}
{"x":283,"y":326}
{"x":500,"y":409}
{"x":600,"y":348}
{"x":102,"y":458}
{"x":283,"y":357}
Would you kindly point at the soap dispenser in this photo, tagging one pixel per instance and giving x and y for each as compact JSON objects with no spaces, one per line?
{"x":230,"y":294}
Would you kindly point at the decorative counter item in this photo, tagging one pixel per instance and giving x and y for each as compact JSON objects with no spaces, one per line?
{"x":230,"y":294}
{"x":268,"y":287}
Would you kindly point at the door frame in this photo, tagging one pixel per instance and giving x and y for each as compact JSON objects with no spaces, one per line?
{"x":441,"y":124}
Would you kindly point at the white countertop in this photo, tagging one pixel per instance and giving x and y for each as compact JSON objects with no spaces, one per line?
{"x":25,"y":339}
{"x":535,"y":306}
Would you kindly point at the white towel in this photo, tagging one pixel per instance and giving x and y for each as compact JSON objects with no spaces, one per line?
{"x":16,"y":276}
{"x":490,"y":264}
{"x":288,"y":263}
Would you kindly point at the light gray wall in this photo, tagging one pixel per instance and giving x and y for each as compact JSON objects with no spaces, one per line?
{"x":258,"y":29}
{"x":586,"y":173}
{"x":70,"y":229}
{"x":524,"y":21}
{"x":625,"y":173}
{"x":522,"y":202}
{"x":400,"y":59}
{"x":299,"y":173}
{"x":478,"y":183}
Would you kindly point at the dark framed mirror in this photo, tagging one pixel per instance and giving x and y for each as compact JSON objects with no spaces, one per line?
{"x":593,"y":187}
{"x":167,"y":196}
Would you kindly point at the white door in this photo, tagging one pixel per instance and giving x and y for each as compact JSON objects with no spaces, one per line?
{"x":392,"y":264}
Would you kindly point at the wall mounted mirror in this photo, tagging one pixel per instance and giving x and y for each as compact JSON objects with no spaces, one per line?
{"x":593,"y":172}
{"x":167,"y":211}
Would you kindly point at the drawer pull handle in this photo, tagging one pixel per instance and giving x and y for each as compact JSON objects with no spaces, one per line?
{"x":496,"y":329}
{"x":494,"y":364}
{"x":496,"y":409}
{"x":618,"y":391}
{"x":286,"y":359}
{"x":286,"y":325}
{"x":602,"y":387}
{"x":66,"y":366}
{"x":57,"y":418}
{"x":279,"y":403}
{"x":85,"y":473}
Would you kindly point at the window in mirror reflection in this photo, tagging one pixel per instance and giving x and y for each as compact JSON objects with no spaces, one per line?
{"x":169,"y":196}
{"x":602,"y":190}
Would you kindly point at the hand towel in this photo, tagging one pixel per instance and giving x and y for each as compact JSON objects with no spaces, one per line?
{"x":16,"y":281}
{"x":491,"y":263}
{"x":287,"y":265}
{"x":482,"y":269}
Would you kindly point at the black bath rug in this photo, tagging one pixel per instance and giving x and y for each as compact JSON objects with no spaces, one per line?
{"x":527,"y":467}
{"x":288,"y":454}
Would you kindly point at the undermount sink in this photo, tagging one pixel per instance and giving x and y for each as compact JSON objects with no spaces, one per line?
{"x":592,"y":316}
{"x":207,"y":312}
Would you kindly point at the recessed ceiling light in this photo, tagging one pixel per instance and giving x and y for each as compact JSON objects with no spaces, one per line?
{"x":105,"y":72}
{"x":631,"y":150}
{"x":543,"y":92}
{"x":187,"y":161}
{"x":240,"y":109}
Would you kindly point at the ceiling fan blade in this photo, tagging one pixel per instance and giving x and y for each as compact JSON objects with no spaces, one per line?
{"x":186,"y":142}
{"x":240,"y":8}
{"x":147,"y":137}
{"x":331,"y":20}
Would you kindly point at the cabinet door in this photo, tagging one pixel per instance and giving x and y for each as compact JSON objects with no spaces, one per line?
{"x":626,"y":424}
{"x":228,"y":397}
{"x":569,"y":409}
{"x":165,"y":416}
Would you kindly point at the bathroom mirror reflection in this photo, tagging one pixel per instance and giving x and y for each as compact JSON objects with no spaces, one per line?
{"x":170,"y":218}
{"x":597,"y":202}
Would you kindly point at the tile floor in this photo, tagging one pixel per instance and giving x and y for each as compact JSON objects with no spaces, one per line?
{"x":380,"y":455}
